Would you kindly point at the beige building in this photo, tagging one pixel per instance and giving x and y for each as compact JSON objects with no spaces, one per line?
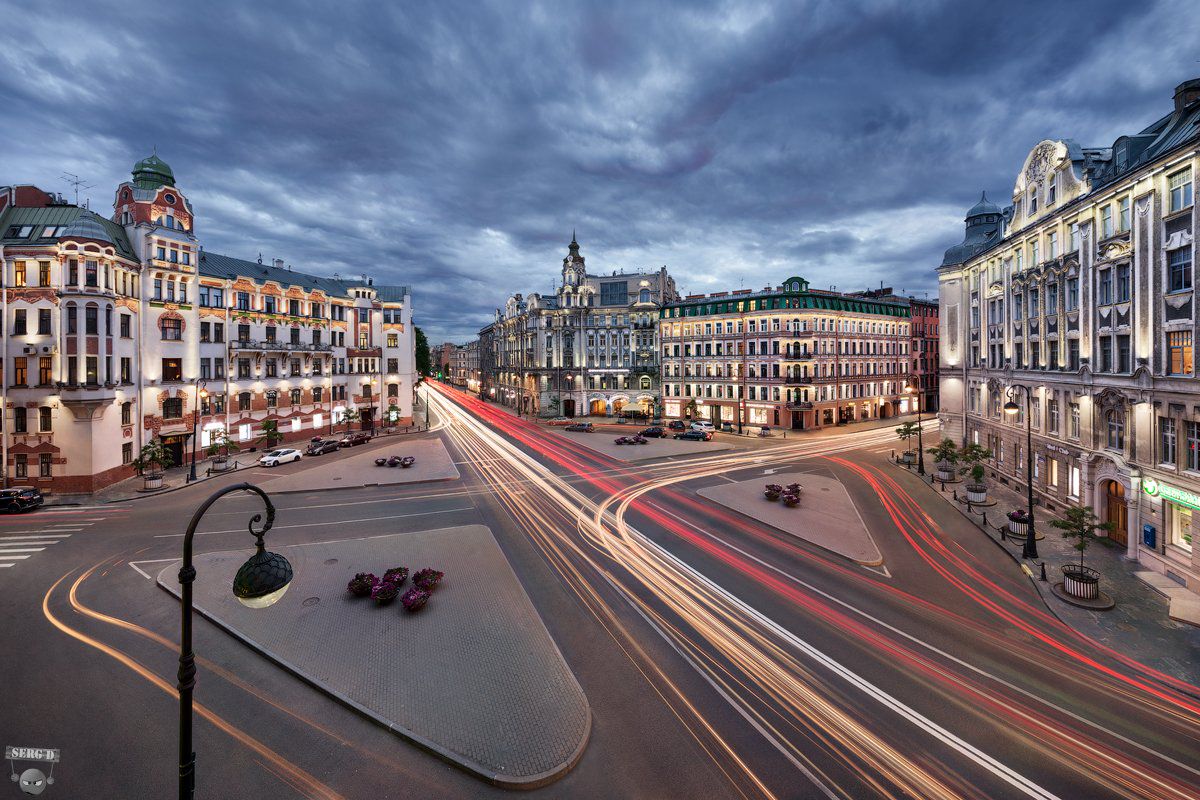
{"x":1083,"y":290}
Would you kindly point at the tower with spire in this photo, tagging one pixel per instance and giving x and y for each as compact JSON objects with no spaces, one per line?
{"x":573,"y":269}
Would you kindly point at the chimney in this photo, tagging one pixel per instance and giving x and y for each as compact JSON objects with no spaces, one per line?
{"x":278,"y":262}
{"x":1187,"y":93}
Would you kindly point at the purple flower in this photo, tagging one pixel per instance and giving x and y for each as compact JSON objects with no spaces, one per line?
{"x":427,"y":578}
{"x":396,"y":575}
{"x":384,"y":592}
{"x":414,"y":599}
{"x":361,"y":584}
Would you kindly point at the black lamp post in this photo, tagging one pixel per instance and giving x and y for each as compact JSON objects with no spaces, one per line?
{"x":260,"y":582}
{"x":201,"y":391}
{"x":1029,"y":550}
{"x":916,"y":395}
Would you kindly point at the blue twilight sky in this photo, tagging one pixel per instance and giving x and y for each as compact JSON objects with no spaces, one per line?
{"x":454,"y":146}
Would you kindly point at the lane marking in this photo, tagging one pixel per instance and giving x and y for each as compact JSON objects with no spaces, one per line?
{"x":4,"y":550}
{"x":59,"y":536}
{"x":12,"y":558}
{"x":26,"y":542}
{"x":142,"y":572}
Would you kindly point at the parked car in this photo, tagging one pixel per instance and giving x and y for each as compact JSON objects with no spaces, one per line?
{"x":677,"y":425}
{"x":703,"y":425}
{"x":585,"y":427}
{"x":695,"y":435}
{"x":559,"y":421}
{"x":322,"y":446}
{"x":355,"y":439}
{"x":654,"y":432}
{"x":20,"y":498}
{"x":277,"y":457}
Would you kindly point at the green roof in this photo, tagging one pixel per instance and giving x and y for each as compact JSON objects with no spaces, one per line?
{"x":152,"y":172}
{"x":40,"y":219}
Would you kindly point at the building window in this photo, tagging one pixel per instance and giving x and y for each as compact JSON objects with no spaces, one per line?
{"x":1179,"y":269}
{"x":1180,"y":185}
{"x":18,"y":273}
{"x":1073,"y":425}
{"x":1106,"y":221}
{"x":22,"y":465}
{"x":172,"y":369}
{"x":1179,"y":353}
{"x":1124,"y":292}
{"x":1166,"y":441}
{"x":271,"y":368}
{"x":316,"y":395}
{"x":45,"y":370}
{"x":393,"y":390}
{"x":295,"y":397}
{"x":244,"y":401}
{"x":1179,"y":524}
{"x":127,"y":413}
{"x":393,"y":365}
{"x":125,"y":325}
{"x":1105,"y":293}
{"x":44,"y":321}
{"x":1106,"y":355}
{"x":243,"y":301}
{"x":393,"y":340}
{"x":243,"y":370}
{"x":272,"y":398}
{"x":1052,"y":416}
{"x":172,"y":329}
{"x":173,"y":408}
{"x":206,"y":368}
{"x":127,"y":453}
{"x":91,"y":320}
{"x":19,"y":325}
{"x":20,"y":372}
{"x":1123,"y":214}
{"x":1115,"y":424}
{"x":45,"y":420}
{"x":1192,"y":431}
{"x":295,"y":368}
{"x":45,"y":465}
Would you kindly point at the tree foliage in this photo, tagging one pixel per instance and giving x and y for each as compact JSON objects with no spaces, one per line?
{"x":1081,"y":524}
{"x":421,"y":348}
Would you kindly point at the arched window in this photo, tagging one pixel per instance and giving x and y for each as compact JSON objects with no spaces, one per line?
{"x":644,"y":296}
{"x":127,"y":413}
{"x":1116,"y":429}
{"x":272,"y":398}
{"x":295,"y":397}
{"x":244,"y":401}
{"x":645,"y":383}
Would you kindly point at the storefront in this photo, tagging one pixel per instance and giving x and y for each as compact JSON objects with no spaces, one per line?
{"x":1165,"y":529}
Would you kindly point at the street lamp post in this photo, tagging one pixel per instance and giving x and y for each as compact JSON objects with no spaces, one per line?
{"x":201,"y":391}
{"x":260,"y":582}
{"x":916,"y":395}
{"x":1029,"y":550}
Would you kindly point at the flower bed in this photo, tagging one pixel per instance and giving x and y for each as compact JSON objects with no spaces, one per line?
{"x":386,"y":589}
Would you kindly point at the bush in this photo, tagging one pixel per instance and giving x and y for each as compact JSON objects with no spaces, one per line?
{"x":384,"y":592}
{"x":427,"y":579}
{"x":396,"y":575}
{"x":414,"y":599}
{"x":362,"y":584}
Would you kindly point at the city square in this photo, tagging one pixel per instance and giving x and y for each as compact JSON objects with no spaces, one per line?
{"x":600,"y":401}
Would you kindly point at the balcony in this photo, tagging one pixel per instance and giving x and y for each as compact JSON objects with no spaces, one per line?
{"x":276,"y":346}
{"x":645,"y":368}
{"x":364,"y":352}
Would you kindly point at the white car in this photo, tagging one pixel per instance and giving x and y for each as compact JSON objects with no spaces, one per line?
{"x":277,"y":457}
{"x":703,"y":425}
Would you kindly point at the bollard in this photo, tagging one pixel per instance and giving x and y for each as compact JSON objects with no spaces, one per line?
{"x":1043,"y":570}
{"x":943,"y":486}
{"x":985,"y":519}
{"x":1004,"y":533}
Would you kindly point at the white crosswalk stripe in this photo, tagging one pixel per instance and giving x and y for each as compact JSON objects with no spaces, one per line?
{"x":18,"y":545}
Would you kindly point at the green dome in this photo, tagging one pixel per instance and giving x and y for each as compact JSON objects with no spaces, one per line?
{"x":152,"y":172}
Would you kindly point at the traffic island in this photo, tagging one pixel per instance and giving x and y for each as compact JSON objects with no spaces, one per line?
{"x":604,"y":442}
{"x":357,"y":467}
{"x":472,"y":677}
{"x":825,"y":516}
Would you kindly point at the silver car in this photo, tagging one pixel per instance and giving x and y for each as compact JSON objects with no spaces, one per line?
{"x":277,"y":457}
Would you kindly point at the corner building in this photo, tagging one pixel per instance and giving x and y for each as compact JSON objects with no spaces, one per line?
{"x":1083,"y":290}
{"x":785,"y":356}
{"x":113,"y":326}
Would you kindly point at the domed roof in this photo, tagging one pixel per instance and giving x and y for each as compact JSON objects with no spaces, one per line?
{"x":86,"y":226}
{"x":984,"y":206}
{"x":152,"y":172}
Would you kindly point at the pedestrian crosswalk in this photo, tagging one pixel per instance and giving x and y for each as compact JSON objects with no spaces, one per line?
{"x":24,"y":536}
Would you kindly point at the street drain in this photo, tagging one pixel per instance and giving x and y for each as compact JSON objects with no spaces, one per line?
{"x":331,"y":561}
{"x":311,"y":601}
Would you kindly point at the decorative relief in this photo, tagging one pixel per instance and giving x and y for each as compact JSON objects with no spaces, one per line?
{"x":1040,"y":161}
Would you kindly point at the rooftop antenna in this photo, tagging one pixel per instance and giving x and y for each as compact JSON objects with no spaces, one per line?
{"x":77,"y":182}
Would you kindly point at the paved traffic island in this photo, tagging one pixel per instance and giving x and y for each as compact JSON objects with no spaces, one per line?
{"x":472,"y":677}
{"x":356,"y":467}
{"x":604,"y":442}
{"x":826,"y":515}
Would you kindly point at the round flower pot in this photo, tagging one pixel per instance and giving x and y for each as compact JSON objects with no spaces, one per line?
{"x":976,"y":493}
{"x":1081,"y":582}
{"x":361,"y":584}
{"x":944,"y":472}
{"x":1018,"y":528}
{"x":220,"y":464}
{"x":152,"y":481}
{"x":908,"y":458}
{"x":772,"y":496}
{"x":384,"y":593}
{"x":414,"y":599}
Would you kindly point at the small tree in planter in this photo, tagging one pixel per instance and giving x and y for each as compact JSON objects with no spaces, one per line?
{"x":904,"y":433}
{"x":350,"y":416}
{"x":1018,"y":522}
{"x":219,"y":448}
{"x":1081,"y":524}
{"x":271,"y":434}
{"x":973,"y":455}
{"x":150,"y":463}
{"x":945,"y":456}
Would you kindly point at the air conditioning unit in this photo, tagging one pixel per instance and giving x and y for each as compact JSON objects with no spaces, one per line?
{"x":50,"y":348}
{"x":30,"y":349}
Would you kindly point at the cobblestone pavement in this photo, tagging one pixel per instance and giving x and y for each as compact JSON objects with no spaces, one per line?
{"x":1138,"y":626}
{"x":473,"y":677}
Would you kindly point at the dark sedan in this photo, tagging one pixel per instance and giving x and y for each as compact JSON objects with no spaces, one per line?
{"x":356,"y":438}
{"x":677,"y":425}
{"x":654,"y":432}
{"x":321,"y":447}
{"x":696,"y":436}
{"x":20,"y":498}
{"x":585,"y":427}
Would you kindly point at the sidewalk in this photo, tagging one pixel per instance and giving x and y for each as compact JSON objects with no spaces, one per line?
{"x":1139,"y":626}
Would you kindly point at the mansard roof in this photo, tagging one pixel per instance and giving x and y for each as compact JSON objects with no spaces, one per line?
{"x":44,"y":220}
{"x":215,"y":265}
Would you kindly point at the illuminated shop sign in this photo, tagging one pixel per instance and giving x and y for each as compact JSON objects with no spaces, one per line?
{"x":1177,"y":496}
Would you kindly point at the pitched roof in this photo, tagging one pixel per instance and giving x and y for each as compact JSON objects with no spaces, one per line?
{"x":215,"y":265}
{"x":43,"y":217}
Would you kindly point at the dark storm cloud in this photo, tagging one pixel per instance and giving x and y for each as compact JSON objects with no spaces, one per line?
{"x":454,"y":146}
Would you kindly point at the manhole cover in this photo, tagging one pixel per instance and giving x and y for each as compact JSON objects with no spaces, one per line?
{"x":331,"y":561}
{"x":311,"y":601}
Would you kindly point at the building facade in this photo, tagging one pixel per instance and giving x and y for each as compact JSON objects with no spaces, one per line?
{"x":786,"y":356}
{"x":123,"y":330}
{"x":464,"y":366}
{"x":923,"y":327}
{"x":1083,"y":290}
{"x":590,"y":349}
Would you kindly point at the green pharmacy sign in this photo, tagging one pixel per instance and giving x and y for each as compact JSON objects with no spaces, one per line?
{"x":1177,"y":496}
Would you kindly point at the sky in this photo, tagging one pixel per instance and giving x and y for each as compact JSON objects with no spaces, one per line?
{"x":454,"y":146}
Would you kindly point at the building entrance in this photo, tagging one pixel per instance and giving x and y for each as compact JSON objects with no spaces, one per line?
{"x":1116,"y":512}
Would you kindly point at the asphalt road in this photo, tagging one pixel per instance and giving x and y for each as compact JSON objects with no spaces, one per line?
{"x":721,"y":658}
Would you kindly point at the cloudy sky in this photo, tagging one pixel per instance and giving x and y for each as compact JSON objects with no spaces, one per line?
{"x":454,"y":146}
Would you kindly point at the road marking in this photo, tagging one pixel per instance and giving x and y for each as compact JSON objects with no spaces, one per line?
{"x":2,"y":566}
{"x":318,"y":524}
{"x":21,"y":549}
{"x":12,"y":558}
{"x":142,"y":572}
{"x":27,"y":540}
{"x":38,"y":536}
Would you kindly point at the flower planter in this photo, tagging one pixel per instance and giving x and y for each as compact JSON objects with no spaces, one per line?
{"x":414,"y":599}
{"x":1018,"y":528}
{"x":220,"y":464}
{"x":361,"y":584}
{"x":791,"y":500}
{"x":908,"y":457}
{"x":976,"y":494}
{"x":1082,"y":582}
{"x":944,"y":472}
{"x":384,"y":593}
{"x":151,"y":482}
{"x":396,"y":575}
{"x":427,"y":579}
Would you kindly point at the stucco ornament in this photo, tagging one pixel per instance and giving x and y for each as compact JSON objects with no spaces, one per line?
{"x":1039,"y":162}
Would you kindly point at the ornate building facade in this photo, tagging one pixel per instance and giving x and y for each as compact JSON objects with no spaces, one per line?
{"x":121,"y":330}
{"x":786,"y":356}
{"x":588,"y":349}
{"x":1083,"y":290}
